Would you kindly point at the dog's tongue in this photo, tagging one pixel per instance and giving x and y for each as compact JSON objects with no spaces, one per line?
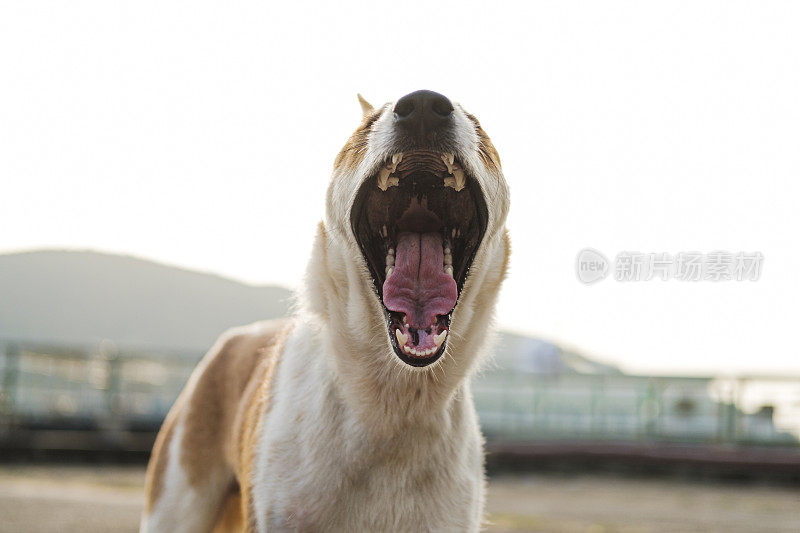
{"x":419,"y":287}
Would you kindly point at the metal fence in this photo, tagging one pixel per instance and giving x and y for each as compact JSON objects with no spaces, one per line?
{"x":108,"y":389}
{"x":704,"y":410}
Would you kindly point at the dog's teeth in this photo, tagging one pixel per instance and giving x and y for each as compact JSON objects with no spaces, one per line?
{"x":448,"y":161}
{"x":401,"y":337}
{"x":448,"y":259}
{"x":390,"y":269}
{"x":459,"y":178}
{"x":448,"y":269}
{"x":439,"y":339}
{"x":383,"y":179}
{"x":450,"y":181}
{"x":405,"y":320}
{"x":446,"y":248}
{"x":389,"y":260}
{"x":396,"y":158}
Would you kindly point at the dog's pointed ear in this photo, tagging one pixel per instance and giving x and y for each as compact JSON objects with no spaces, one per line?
{"x":366,"y":107}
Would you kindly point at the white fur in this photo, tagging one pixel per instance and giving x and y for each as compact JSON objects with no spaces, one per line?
{"x":355,"y":439}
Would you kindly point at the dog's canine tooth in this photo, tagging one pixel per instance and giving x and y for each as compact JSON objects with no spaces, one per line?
{"x":401,"y":337}
{"x":448,"y":270}
{"x":459,"y":178}
{"x":396,"y":158}
{"x":439,"y":338}
{"x":389,"y":270}
{"x":448,"y":161}
{"x":383,"y":179}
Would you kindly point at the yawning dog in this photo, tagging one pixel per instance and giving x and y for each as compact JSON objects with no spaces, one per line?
{"x":356,"y":414}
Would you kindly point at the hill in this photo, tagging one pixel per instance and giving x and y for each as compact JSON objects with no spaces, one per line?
{"x":82,"y":297}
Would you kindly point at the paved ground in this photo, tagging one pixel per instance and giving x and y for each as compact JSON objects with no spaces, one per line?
{"x":91,"y":500}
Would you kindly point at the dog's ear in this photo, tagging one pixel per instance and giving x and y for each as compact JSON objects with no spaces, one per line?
{"x":366,"y":107}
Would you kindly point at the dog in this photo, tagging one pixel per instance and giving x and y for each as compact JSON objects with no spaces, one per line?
{"x":356,"y":414}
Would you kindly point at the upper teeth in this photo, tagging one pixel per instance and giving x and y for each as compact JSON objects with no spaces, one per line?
{"x":385,"y":178}
{"x":456,"y":179}
{"x":389,"y":262}
{"x":448,"y":160}
{"x":448,"y":260}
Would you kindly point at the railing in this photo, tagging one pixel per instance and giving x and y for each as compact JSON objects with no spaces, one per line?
{"x":761,"y":410}
{"x":111,"y":390}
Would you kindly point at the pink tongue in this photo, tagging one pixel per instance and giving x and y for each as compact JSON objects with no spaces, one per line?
{"x":419,"y":287}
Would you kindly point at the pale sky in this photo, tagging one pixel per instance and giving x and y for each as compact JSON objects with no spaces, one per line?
{"x":203,"y":134}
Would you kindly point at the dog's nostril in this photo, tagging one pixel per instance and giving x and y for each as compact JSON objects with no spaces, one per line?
{"x":404,"y":106}
{"x":441,"y":105}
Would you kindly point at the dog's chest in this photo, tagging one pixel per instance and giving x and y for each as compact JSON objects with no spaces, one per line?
{"x":315,"y":476}
{"x":380,"y":497}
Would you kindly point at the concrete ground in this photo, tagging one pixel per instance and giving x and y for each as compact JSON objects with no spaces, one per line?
{"x":68,"y":499}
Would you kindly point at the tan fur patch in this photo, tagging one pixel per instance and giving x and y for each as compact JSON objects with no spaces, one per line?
{"x":487,"y":150}
{"x":220,"y":413}
{"x":353,"y":151}
{"x":231,"y":520}
{"x":253,"y":407}
{"x":214,"y":404}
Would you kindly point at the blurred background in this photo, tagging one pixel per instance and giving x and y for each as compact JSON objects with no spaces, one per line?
{"x":163,"y":166}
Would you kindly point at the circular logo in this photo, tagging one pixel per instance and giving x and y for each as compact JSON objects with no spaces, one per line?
{"x":591,"y":266}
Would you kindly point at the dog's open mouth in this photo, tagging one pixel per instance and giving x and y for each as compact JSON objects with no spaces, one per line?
{"x":419,"y":222}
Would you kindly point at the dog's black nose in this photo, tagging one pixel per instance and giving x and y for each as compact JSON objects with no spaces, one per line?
{"x":422,"y":113}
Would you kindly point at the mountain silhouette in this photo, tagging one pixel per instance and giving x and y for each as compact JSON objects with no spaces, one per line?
{"x":83,"y":297}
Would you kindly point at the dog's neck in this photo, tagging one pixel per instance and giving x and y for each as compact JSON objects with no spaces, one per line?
{"x":339,"y":298}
